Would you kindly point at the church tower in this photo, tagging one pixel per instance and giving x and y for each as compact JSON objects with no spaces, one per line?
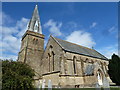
{"x":32,"y":46}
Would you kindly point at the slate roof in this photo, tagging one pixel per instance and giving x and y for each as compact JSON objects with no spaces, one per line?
{"x":74,"y":48}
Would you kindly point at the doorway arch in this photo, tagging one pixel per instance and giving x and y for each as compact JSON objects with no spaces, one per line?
{"x":99,"y":76}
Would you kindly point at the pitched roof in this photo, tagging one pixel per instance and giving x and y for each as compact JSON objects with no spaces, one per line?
{"x":74,"y":48}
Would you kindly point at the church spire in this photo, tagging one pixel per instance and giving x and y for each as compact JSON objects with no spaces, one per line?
{"x":34,"y":24}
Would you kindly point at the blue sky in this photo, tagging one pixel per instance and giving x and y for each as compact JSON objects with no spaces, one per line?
{"x":89,"y":24}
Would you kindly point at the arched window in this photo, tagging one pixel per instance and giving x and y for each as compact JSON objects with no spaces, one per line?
{"x":49,"y":61}
{"x":92,"y":61}
{"x":51,"y":46}
{"x":99,"y":77}
{"x":50,"y":49}
{"x":87,"y":61}
{"x":34,"y":41}
{"x":74,"y":64}
{"x":53,"y":60}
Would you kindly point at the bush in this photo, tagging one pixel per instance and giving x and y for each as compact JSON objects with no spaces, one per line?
{"x":16,"y":75}
{"x":114,"y":69}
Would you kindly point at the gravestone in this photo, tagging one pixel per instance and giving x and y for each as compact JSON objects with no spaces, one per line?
{"x":40,"y":85}
{"x":43,"y":84}
{"x":106,"y":84}
{"x":49,"y":85}
{"x":97,"y":86}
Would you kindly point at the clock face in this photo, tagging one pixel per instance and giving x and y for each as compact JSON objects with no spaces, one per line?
{"x":36,"y":26}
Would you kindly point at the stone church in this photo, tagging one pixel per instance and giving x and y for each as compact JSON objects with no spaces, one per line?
{"x":63,"y":63}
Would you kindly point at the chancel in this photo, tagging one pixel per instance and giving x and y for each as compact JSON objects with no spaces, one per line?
{"x":61,"y":64}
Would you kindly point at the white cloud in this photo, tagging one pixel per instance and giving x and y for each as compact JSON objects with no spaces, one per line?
{"x":11,"y":37}
{"x":6,"y":19}
{"x":108,"y":51}
{"x":113,"y":29}
{"x":4,"y":57}
{"x":54,"y":27}
{"x":81,"y":38}
{"x":71,"y":25}
{"x":93,"y":25}
{"x":8,"y":30}
{"x":22,"y":26}
{"x":0,"y":18}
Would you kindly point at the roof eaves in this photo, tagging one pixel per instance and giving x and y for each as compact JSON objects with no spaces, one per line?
{"x":101,"y":54}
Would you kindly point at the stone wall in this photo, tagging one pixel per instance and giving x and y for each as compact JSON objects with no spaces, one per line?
{"x":32,"y":49}
{"x":50,"y":62}
{"x":82,"y":62}
{"x":54,"y":77}
{"x":90,"y":81}
{"x":71,"y":81}
{"x":70,"y":74}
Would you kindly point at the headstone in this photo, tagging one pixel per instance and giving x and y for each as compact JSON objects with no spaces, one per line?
{"x":43,"y":84}
{"x":97,"y":86}
{"x":40,"y":85}
{"x":49,"y":85}
{"x":106,"y":84}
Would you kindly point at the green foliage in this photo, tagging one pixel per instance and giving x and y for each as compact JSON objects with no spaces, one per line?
{"x":16,"y":75}
{"x":114,"y":69}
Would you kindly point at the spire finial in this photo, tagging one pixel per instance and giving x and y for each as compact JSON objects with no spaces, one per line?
{"x":34,"y":24}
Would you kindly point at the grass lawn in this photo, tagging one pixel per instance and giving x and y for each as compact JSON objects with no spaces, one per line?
{"x":111,"y":88}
